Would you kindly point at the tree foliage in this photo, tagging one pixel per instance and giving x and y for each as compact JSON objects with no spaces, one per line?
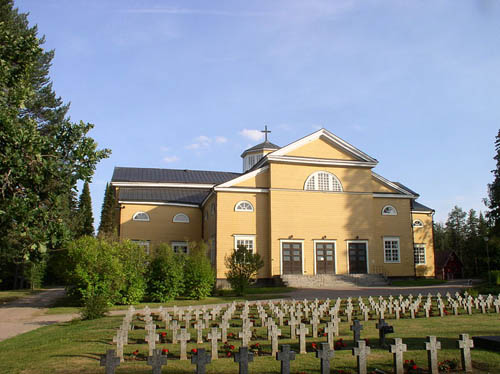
{"x":42,"y":153}
{"x":243,"y":266}
{"x":199,"y":277}
{"x":165,"y":274}
{"x":85,"y":217}
{"x":108,"y":224}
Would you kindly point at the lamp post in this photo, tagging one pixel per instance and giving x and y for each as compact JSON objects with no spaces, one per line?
{"x":488,"y":259}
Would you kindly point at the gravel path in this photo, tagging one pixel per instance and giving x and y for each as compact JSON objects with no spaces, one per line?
{"x":28,"y":313}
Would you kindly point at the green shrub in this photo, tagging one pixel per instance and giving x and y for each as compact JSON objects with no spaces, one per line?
{"x":134,"y":262}
{"x":199,"y":277}
{"x":165,"y":274}
{"x":94,"y":306}
{"x":495,"y":277}
{"x":95,"y":271}
{"x":243,"y":266}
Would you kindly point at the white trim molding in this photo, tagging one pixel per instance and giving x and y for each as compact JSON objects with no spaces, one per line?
{"x":157,"y":203}
{"x":391,"y":210}
{"x":301,"y":241}
{"x":417,"y":223}
{"x":154,"y":184}
{"x":334,"y":253}
{"x":319,"y":161}
{"x":243,"y":177}
{"x":391,"y":239}
{"x":241,"y":189}
{"x":367,"y":254}
{"x":183,"y":244}
{"x":420,"y":246}
{"x":393,"y":196}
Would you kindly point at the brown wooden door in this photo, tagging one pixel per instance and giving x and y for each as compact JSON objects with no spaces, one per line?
{"x":292,"y":258}
{"x":325,"y":258}
{"x":357,"y":258}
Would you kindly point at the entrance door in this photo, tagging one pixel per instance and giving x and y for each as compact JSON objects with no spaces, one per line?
{"x":292,"y":258}
{"x":325,"y":258}
{"x":357,"y":258}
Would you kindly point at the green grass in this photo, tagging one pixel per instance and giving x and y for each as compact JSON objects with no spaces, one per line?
{"x":75,"y":347}
{"x":69,"y":305}
{"x":417,"y":282}
{"x":7,"y":296}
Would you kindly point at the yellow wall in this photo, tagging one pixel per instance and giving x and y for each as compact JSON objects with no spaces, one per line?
{"x":230,"y":223}
{"x":293,"y":176}
{"x":259,"y":181}
{"x":160,"y":228}
{"x":320,"y":148}
{"x":424,"y":235}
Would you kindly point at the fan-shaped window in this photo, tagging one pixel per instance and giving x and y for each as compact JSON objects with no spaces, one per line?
{"x":389,"y":210}
{"x":141,"y":216}
{"x":323,"y":181}
{"x":243,"y":206}
{"x":181,"y":218}
{"x":418,"y":223}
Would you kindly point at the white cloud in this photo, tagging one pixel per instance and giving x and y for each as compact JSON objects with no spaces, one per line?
{"x":170,"y":159}
{"x":165,"y":149}
{"x":220,"y":139}
{"x":203,"y":142}
{"x":252,"y":134}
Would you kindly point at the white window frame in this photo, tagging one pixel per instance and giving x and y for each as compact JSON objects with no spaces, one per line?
{"x":392,"y":239}
{"x":420,"y":247}
{"x":180,"y":244}
{"x":245,"y":237}
{"x":334,"y":252}
{"x":143,"y":243}
{"x":281,"y":252}
{"x":237,"y":207}
{"x":135,"y":218}
{"x":418,"y":223}
{"x":394,"y":211}
{"x":332,"y":180}
{"x":367,"y":254}
{"x":179,"y":218}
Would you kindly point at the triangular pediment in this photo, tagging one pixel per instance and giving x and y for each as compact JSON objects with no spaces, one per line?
{"x":322,"y":144}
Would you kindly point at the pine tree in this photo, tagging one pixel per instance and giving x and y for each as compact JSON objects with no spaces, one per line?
{"x":107,"y":226}
{"x":472,"y":243}
{"x":493,"y":201}
{"x":455,"y":231}
{"x":85,"y":217}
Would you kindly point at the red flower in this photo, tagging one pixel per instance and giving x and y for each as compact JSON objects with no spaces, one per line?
{"x":228,"y":354}
{"x":325,"y":334}
{"x":164,"y":350}
{"x":257,"y":344}
{"x":194,"y":350}
{"x":407,"y":362}
{"x":314,"y":345}
{"x":231,"y":346}
{"x":163,"y":334}
{"x":414,"y":367}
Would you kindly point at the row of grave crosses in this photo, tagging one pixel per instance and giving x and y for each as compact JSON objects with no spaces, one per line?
{"x":201,"y":358}
{"x":296,"y":311}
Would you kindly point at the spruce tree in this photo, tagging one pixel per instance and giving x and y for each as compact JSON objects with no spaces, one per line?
{"x":107,"y":226}
{"x":85,"y":217}
{"x":493,"y":201}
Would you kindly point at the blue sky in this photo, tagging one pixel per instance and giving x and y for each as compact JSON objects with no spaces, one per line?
{"x":184,"y":84}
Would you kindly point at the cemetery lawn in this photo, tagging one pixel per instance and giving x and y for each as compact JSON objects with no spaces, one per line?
{"x":7,"y":296}
{"x":75,"y":347}
{"x":417,"y":282}
{"x":68,"y":305}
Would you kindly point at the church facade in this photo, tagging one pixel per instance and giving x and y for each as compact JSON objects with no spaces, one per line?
{"x":312,"y":207}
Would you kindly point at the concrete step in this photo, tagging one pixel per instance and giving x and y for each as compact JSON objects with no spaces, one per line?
{"x":338,"y":281}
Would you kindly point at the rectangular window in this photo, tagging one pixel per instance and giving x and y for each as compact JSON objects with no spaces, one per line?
{"x":391,"y":250}
{"x":142,"y":243}
{"x":419,"y":254}
{"x":180,"y":247}
{"x":247,"y":240}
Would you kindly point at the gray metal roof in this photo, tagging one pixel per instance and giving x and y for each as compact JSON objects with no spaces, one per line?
{"x":263,"y":145}
{"x":151,"y":175}
{"x":163,"y":194}
{"x":420,"y":207}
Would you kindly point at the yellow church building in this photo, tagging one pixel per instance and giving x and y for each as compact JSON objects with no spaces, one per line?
{"x":314,"y":210}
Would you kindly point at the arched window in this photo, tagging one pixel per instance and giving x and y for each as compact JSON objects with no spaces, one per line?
{"x":181,"y":218}
{"x":323,"y":181}
{"x":418,"y":223}
{"x":141,"y":216}
{"x":243,"y":206}
{"x":389,"y":210}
